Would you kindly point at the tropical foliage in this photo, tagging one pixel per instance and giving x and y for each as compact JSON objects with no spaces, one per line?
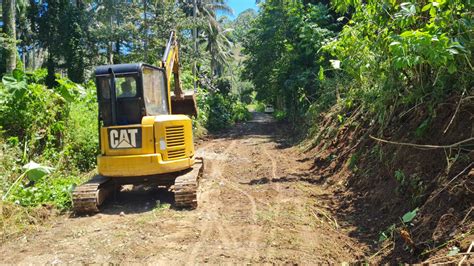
{"x":306,"y":56}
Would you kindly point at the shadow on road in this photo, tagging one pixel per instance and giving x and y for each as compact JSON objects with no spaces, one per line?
{"x":137,"y":199}
{"x":302,"y":177}
{"x":261,"y":125}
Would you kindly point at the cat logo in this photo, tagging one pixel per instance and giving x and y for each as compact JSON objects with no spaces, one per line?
{"x":125,"y":138}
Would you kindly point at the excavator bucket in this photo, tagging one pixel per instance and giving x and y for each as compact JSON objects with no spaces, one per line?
{"x":185,"y":105}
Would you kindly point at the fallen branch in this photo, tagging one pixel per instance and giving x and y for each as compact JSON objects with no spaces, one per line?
{"x":434,"y":259}
{"x":450,"y":181}
{"x":327,"y":216}
{"x":462,"y":236}
{"x":421,"y":146}
{"x":380,"y":251}
{"x":468,"y":253}
{"x":455,"y":113}
{"x":467,"y":215}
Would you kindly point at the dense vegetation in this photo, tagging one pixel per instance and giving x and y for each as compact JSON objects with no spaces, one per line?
{"x":307,"y":56}
{"x":350,"y":75}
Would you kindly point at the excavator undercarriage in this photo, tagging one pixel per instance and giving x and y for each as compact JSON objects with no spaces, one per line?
{"x":88,"y":197}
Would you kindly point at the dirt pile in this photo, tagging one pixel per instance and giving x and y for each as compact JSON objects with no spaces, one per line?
{"x":376,"y":183}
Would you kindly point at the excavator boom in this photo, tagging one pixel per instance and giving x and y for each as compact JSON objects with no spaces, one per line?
{"x":181,"y":102}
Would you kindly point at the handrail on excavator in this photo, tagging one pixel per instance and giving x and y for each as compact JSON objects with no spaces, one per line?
{"x":168,"y":48}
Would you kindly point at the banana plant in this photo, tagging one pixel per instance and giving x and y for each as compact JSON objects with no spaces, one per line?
{"x":33,"y":171}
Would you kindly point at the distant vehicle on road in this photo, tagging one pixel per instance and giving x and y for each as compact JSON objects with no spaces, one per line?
{"x":269,"y":109}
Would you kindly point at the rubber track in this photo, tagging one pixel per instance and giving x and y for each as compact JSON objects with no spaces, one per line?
{"x":185,"y":186}
{"x":87,"y":197}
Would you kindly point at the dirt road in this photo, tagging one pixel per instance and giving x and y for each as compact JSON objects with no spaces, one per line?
{"x":256,"y":204}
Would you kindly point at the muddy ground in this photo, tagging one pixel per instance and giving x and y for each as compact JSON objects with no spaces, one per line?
{"x":257,"y":204}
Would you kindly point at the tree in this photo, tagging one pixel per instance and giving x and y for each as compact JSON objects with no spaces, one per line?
{"x":63,"y":30}
{"x":9,"y":29}
{"x":242,"y":24}
{"x":153,"y":20}
{"x":211,"y":32}
{"x":283,"y":53}
{"x":218,"y":44}
{"x":111,"y":17}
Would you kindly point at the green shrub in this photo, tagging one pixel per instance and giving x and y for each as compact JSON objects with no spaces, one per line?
{"x":81,"y":136}
{"x":259,"y":107}
{"x":10,"y":158}
{"x":217,"y":112}
{"x":280,"y":115}
{"x":56,"y":127}
{"x":51,"y":190}
{"x":240,"y":112}
{"x":28,"y":110}
{"x":220,"y":112}
{"x":199,"y":123}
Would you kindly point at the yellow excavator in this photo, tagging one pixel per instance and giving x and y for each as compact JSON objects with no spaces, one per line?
{"x":145,"y":133}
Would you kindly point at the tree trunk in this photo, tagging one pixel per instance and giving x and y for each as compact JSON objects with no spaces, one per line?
{"x":23,"y":57}
{"x":51,"y":66}
{"x":117,"y":52}
{"x":8,"y":8}
{"x":110,"y":53}
{"x":110,"y":50}
{"x":145,"y":35}
{"x":195,"y":46}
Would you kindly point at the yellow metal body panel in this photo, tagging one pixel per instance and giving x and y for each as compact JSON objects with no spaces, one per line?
{"x":166,"y":146}
{"x":140,"y":165}
{"x":176,"y":131}
{"x":148,"y":141}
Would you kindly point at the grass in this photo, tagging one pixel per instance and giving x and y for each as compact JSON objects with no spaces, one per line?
{"x":15,"y":220}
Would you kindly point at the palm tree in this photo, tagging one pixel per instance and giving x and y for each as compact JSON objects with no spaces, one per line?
{"x":9,"y":9}
{"x":218,"y":45}
{"x":211,"y":30}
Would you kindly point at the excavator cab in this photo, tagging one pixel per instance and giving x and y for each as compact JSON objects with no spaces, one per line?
{"x":128,"y":92}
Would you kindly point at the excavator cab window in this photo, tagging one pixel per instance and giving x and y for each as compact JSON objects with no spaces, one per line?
{"x":126,"y":87}
{"x":128,"y":92}
{"x":154,"y":91}
{"x":129,"y":107}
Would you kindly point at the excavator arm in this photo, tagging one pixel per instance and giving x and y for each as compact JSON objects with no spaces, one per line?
{"x":181,"y":102}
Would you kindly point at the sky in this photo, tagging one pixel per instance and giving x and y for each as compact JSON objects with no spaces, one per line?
{"x":241,"y":5}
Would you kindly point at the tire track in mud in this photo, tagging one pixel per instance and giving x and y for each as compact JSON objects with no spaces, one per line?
{"x":270,"y":250}
{"x":206,"y":228}
{"x":226,"y":238}
{"x":255,"y":234}
{"x":272,"y":160}
{"x":213,"y":209}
